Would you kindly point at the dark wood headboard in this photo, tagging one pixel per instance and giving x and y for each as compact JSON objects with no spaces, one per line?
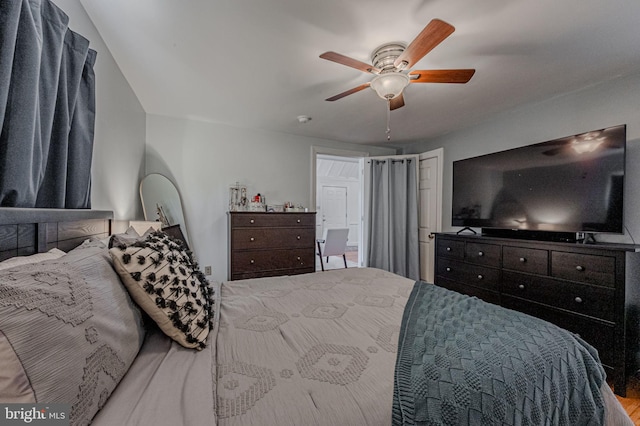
{"x":28,"y":231}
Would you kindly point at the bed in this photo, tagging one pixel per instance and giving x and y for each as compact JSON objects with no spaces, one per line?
{"x":356,"y":346}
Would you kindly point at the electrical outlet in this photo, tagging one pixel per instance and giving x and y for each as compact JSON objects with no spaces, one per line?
{"x":207,"y":270}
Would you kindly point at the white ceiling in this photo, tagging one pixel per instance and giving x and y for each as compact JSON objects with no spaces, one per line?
{"x":254,"y":63}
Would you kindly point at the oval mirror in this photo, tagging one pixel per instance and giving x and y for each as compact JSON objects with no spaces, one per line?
{"x":161,"y":202}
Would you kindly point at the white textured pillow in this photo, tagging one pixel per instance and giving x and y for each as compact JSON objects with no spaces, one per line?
{"x":71,"y":331}
{"x":52,"y":254}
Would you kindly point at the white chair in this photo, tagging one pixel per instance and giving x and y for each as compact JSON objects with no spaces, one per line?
{"x":334,"y":244}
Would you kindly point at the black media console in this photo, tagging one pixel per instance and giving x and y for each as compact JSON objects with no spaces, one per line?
{"x":590,"y":289}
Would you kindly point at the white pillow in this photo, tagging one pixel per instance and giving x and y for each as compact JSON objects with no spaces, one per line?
{"x":54,"y":253}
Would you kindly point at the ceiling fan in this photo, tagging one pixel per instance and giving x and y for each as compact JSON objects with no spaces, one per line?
{"x":389,"y":62}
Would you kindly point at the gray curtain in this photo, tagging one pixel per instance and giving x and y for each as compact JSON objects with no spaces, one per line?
{"x":47,"y":108}
{"x":393,"y":214}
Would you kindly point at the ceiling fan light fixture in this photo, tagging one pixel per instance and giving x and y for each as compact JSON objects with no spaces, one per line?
{"x":389,"y":85}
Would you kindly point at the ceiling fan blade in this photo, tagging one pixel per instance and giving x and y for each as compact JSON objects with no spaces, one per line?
{"x":441,"y":76}
{"x":432,"y":35}
{"x":348,"y":92}
{"x":397,"y":102}
{"x":350,"y":62}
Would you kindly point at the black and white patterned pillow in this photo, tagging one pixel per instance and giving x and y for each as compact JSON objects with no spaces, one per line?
{"x":165,"y":282}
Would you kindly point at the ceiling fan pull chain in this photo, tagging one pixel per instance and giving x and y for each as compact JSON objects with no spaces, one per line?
{"x":388,"y":119}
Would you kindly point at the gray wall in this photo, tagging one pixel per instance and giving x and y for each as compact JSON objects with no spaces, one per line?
{"x":606,"y":104}
{"x":119,"y":142}
{"x":204,"y":159}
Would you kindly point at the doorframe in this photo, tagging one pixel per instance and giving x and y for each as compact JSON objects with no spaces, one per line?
{"x":438,"y":154}
{"x":321,"y":150}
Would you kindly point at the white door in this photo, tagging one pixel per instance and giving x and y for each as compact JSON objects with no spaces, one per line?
{"x":333,"y":204}
{"x":430,"y":193}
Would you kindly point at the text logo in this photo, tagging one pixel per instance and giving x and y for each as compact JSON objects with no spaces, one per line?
{"x":35,"y":414}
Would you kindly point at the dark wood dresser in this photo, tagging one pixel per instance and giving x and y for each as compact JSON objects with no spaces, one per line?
{"x":271,"y":244}
{"x":592,"y":290}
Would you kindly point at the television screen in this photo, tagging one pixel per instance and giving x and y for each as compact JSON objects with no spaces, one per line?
{"x":571,"y":184}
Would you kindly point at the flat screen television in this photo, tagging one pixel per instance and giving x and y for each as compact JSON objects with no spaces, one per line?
{"x":562,"y":187}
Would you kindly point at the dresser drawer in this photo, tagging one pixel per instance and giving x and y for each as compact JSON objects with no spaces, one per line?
{"x":263,"y":260}
{"x":600,"y":335}
{"x":271,"y":273}
{"x":592,"y":269}
{"x":256,"y":220}
{"x":265,"y":244}
{"x":481,"y":293}
{"x":533,"y":261}
{"x":483,"y":254}
{"x":585,"y":299}
{"x":466,"y":274}
{"x":264,"y":238}
{"x":450,"y":248}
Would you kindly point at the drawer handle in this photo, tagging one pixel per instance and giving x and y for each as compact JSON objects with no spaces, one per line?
{"x":578,"y":299}
{"x":252,"y":239}
{"x":298,"y":257}
{"x":448,"y":269}
{"x":480,"y":276}
{"x":521,"y":286}
{"x":523,"y":259}
{"x":252,"y":221}
{"x":298,"y":220}
{"x":252,"y":261}
{"x":580,"y":268}
{"x":480,"y":253}
{"x":448,"y":248}
{"x":298,"y":237}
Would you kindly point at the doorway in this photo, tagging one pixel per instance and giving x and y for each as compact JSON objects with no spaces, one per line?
{"x":430,"y":199}
{"x":338,"y":193}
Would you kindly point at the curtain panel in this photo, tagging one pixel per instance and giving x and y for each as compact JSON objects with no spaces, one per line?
{"x":393,"y":212}
{"x":47,"y":108}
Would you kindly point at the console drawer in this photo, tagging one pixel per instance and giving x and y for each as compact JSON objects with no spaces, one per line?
{"x":450,"y":248}
{"x":598,"y":302}
{"x":466,"y":274}
{"x":533,"y":261}
{"x":481,"y":293}
{"x":483,"y":254}
{"x":600,"y":335}
{"x":592,"y":269}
